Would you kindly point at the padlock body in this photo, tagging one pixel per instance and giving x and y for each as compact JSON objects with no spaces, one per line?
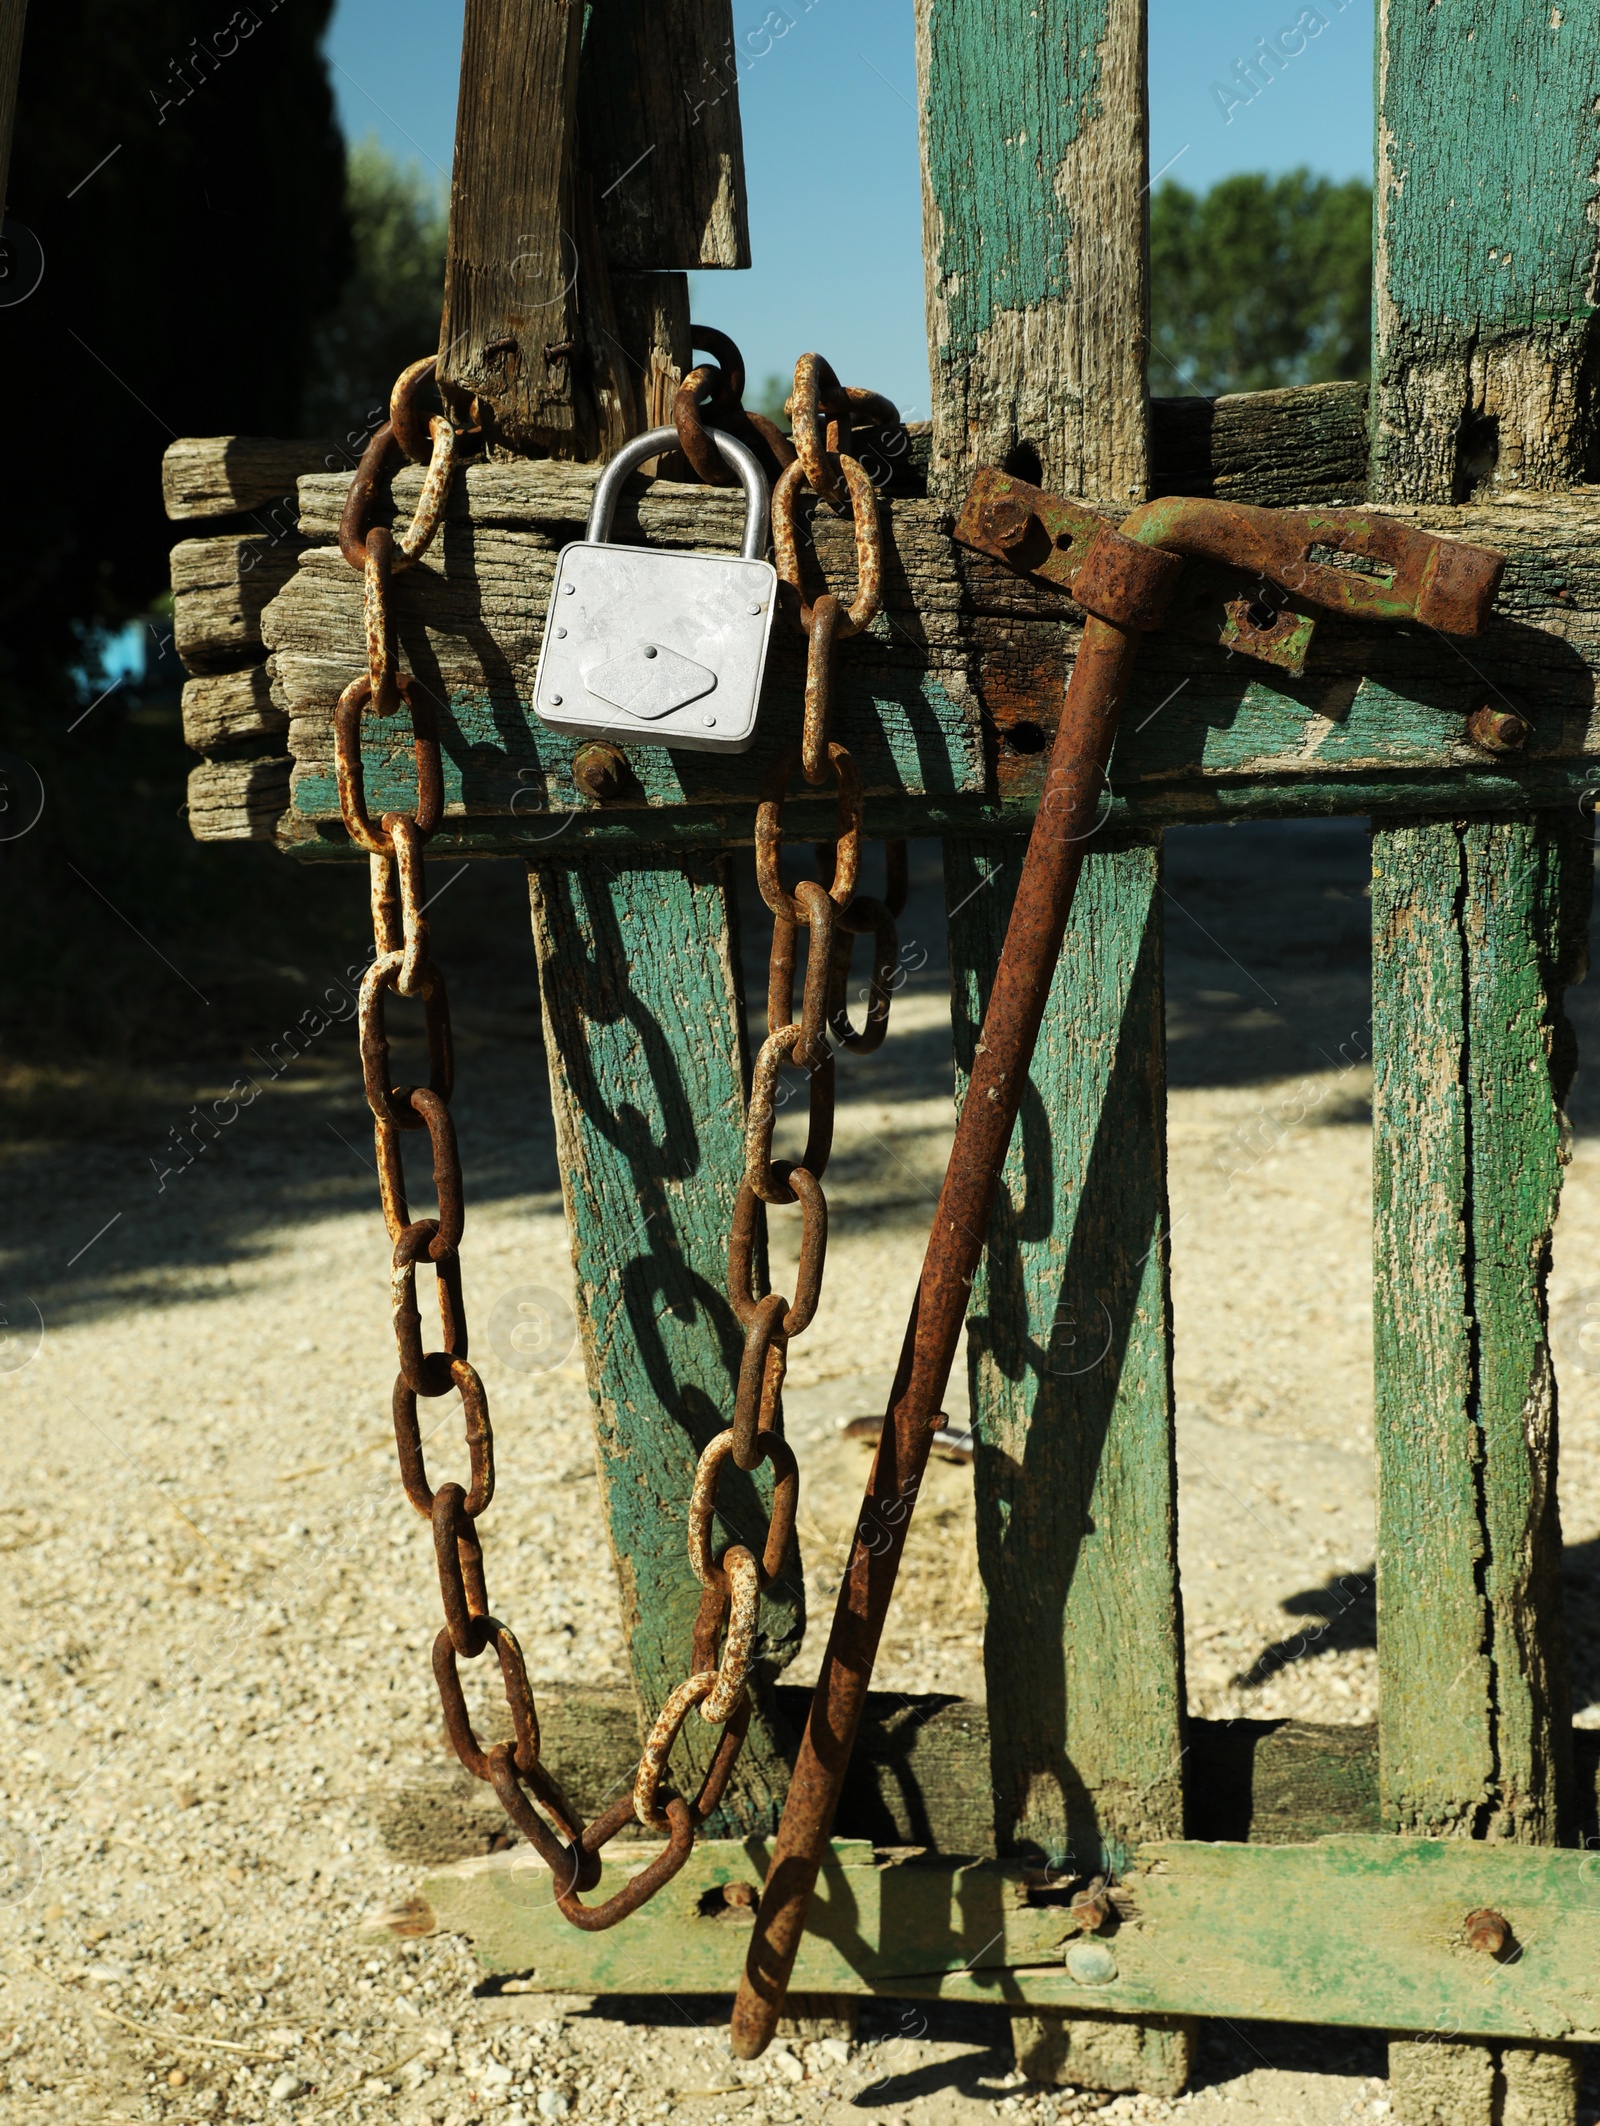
{"x":645,"y":647}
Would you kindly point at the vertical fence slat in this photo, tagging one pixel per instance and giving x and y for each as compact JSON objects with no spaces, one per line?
{"x":638,"y":975}
{"x":1034,"y":162}
{"x":1487,"y":246}
{"x":1485,"y":254}
{"x":1035,"y":158}
{"x":1476,"y":927}
{"x":1069,"y":1358}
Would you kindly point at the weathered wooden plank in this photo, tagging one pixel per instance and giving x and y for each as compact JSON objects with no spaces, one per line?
{"x":1477,"y":926}
{"x":1034,"y":167}
{"x":653,"y":325}
{"x":1069,"y":1356}
{"x":223,"y":710}
{"x":1280,"y":449}
{"x":217,"y":476}
{"x":1438,"y":1757}
{"x":570,"y":836}
{"x":644,"y":1034}
{"x":237,"y":801}
{"x":1528,"y":889}
{"x":220,"y":587}
{"x":957,"y":686}
{"x":1487,"y":247}
{"x":1069,"y":1360}
{"x":1485,"y":258}
{"x":658,"y":115}
{"x":526,"y":295}
{"x":1362,"y":1932}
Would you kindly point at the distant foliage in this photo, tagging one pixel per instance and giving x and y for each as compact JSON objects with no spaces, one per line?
{"x":1260,"y":282}
{"x":388,"y":314}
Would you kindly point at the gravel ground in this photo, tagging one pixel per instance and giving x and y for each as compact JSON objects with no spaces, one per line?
{"x":215,"y":1660}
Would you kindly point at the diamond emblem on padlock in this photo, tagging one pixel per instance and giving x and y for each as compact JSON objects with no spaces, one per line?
{"x":648,"y":633}
{"x":650,"y":680}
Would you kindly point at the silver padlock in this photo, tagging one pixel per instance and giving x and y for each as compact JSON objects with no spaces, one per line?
{"x":648,"y":647}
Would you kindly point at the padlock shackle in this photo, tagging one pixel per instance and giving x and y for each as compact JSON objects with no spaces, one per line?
{"x":653,"y":444}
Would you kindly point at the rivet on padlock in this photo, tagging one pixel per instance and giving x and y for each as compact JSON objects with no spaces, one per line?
{"x":654,"y":633}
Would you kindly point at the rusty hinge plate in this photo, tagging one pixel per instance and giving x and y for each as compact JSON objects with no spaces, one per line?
{"x":1047,"y":537}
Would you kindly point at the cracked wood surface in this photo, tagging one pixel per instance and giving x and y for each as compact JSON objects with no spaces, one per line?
{"x":645,"y":1039}
{"x":963,"y":668}
{"x":1360,"y":1931}
{"x":1069,"y":1359}
{"x":1034,"y":241}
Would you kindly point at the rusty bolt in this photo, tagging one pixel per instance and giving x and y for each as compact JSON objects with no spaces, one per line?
{"x":1487,"y":1931}
{"x":1005,"y":520}
{"x":1091,"y":1909}
{"x":743,"y":1895}
{"x":1497,"y":730}
{"x":599,"y":771}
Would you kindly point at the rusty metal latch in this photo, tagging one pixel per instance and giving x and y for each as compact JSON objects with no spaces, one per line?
{"x":1256,"y":578}
{"x":1127,"y":578}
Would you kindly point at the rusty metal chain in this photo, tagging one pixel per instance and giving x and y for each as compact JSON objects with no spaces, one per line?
{"x":834,"y":916}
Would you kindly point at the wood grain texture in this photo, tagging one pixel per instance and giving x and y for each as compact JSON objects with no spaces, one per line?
{"x":658,"y":115}
{"x":1477,"y":927}
{"x":224,"y":711}
{"x":1487,"y":246}
{"x":526,"y":288}
{"x":1281,"y":449}
{"x":1069,"y":1359}
{"x":1359,"y":1932}
{"x":237,"y":801}
{"x":643,"y":1029}
{"x":1034,"y":166}
{"x":1472,"y":946}
{"x":220,"y":588}
{"x":964,"y":658}
{"x":217,"y":476}
{"x":653,"y":325}
{"x":920,"y":1777}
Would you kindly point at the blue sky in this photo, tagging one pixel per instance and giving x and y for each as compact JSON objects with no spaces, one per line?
{"x":830,"y":133}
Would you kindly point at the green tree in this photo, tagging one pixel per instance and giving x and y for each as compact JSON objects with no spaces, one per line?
{"x":1260,"y":282}
{"x":388,"y":314}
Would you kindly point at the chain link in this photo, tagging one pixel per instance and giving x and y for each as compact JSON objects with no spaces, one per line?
{"x":831,"y":913}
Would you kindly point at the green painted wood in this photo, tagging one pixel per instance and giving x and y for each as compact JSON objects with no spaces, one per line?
{"x":576,"y":837}
{"x":1474,"y":937}
{"x":1069,"y":1357}
{"x":1477,"y":926}
{"x":1487,"y":245}
{"x":1485,"y":253}
{"x":1529,"y":886}
{"x":1364,"y":1932}
{"x":1035,"y":160}
{"x":964,"y":667}
{"x":644,"y":1033}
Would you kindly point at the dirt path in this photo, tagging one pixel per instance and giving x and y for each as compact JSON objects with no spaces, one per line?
{"x":216,"y":1657}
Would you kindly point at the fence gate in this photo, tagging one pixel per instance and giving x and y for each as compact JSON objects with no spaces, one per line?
{"x":1431,"y":1879}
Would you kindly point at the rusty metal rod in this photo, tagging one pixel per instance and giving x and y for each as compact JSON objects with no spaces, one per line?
{"x":1441,"y":582}
{"x":1066,"y":817}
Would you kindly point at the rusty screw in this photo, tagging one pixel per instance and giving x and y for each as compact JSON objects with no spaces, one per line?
{"x":1006,"y":520}
{"x":1497,"y":730}
{"x":599,"y":771}
{"x":1091,"y":1908}
{"x":1487,"y":1931}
